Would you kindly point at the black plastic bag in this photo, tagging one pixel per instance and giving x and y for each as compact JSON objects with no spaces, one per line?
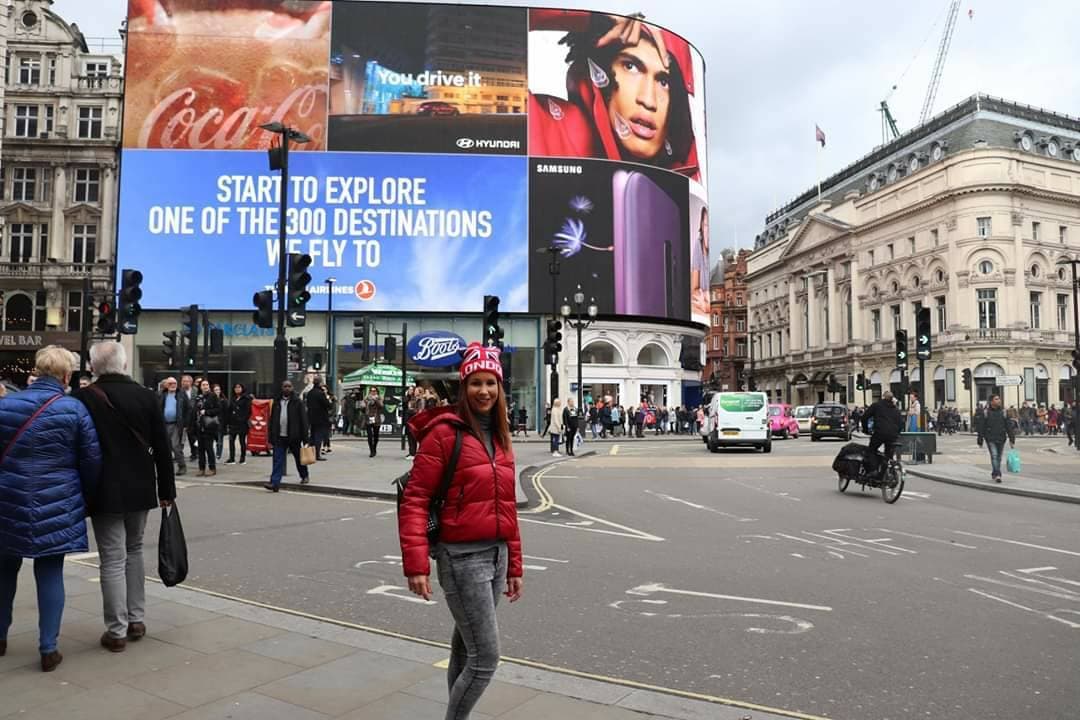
{"x":172,"y":548}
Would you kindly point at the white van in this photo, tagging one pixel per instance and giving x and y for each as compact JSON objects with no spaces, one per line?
{"x":739,"y":418}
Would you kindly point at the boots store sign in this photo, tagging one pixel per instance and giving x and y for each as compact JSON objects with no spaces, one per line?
{"x":438,"y":348}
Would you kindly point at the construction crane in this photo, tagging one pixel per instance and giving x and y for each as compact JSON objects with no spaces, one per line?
{"x":939,"y":63}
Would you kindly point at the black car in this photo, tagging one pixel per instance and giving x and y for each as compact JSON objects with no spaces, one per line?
{"x":830,"y":420}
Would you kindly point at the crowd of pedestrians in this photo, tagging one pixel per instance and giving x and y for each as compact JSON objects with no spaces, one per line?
{"x":568,"y":425}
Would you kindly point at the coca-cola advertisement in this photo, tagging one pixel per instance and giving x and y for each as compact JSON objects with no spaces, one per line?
{"x":415,"y":77}
{"x":205,"y":76}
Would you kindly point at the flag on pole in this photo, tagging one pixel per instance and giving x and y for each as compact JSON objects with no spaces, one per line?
{"x":819,"y":135}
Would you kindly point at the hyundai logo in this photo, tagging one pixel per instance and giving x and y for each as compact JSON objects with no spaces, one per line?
{"x":466,"y":143}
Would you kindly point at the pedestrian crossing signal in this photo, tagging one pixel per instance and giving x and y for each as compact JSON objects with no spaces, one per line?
{"x":966,"y":375}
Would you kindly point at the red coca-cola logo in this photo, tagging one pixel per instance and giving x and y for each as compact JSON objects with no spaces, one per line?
{"x":210,"y":114}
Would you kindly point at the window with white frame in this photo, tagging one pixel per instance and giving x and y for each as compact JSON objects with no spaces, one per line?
{"x":875,"y":323}
{"x":29,"y":71}
{"x":740,"y":325}
{"x":50,"y":117}
{"x":779,"y":343}
{"x":727,"y":324}
{"x":52,"y":69}
{"x":22,"y":242}
{"x":84,"y":243}
{"x":935,"y":240}
{"x":1035,"y":303}
{"x":911,"y":245}
{"x":90,"y":122}
{"x":97,"y":69}
{"x":716,"y":342}
{"x":26,"y":121}
{"x":986,"y":267}
{"x":87,"y":185}
{"x":871,"y":254}
{"x":715,"y":319}
{"x":1062,"y":312}
{"x":983,"y":227}
{"x":1063,"y":234}
{"x":891,"y":250}
{"x":941,"y":318}
{"x":24,"y":184}
{"x":769,"y":344}
{"x":740,"y":348}
{"x":987,"y":298}
{"x":1036,"y":231}
{"x":897,"y":323}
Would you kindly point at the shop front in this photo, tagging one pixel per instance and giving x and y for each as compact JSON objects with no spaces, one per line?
{"x":17,"y":350}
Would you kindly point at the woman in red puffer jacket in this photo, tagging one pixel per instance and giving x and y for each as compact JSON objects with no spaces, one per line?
{"x":478,"y":554}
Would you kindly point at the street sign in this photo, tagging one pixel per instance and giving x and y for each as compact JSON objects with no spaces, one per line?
{"x":1009,"y":380}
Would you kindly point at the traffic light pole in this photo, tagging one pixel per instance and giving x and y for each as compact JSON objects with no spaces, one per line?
{"x":923,"y":411}
{"x":206,"y":345}
{"x":404,"y":367}
{"x":84,"y":330}
{"x":281,"y":347}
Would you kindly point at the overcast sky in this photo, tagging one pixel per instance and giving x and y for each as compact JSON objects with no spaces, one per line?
{"x":774,"y":68}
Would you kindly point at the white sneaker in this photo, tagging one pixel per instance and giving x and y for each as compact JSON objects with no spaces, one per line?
{"x":408,"y":457}
{"x":556,"y":454}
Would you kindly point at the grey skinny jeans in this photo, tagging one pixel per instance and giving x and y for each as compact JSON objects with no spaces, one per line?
{"x":472,"y":584}
{"x":123,"y":578}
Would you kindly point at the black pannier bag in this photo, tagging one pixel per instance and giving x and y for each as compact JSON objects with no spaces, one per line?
{"x":850,"y":459}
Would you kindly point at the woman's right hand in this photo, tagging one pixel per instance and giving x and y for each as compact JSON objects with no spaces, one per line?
{"x":420,"y":585}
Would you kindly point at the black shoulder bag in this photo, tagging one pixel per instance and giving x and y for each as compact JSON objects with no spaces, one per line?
{"x":439,"y":498}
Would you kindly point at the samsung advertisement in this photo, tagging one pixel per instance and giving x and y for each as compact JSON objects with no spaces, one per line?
{"x":452,"y":149}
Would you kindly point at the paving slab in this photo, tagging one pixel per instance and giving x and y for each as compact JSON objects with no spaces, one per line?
{"x":301,"y":650}
{"x":222,"y":633}
{"x":401,"y":706}
{"x":1011,"y":483}
{"x":106,"y":702}
{"x":209,"y":678}
{"x":250,"y":706}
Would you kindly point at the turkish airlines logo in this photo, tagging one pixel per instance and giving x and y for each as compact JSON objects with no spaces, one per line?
{"x":365,"y":290}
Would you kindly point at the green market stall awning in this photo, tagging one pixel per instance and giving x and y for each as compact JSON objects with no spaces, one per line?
{"x":378,"y":375}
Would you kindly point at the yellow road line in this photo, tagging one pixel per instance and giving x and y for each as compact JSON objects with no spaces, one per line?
{"x":614,"y":450}
{"x":546,"y":500}
{"x":714,"y":699}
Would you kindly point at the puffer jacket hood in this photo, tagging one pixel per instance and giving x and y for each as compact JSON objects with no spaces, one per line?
{"x":47,"y":472}
{"x":481,"y":503}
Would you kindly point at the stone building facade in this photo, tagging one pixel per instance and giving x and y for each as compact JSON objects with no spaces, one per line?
{"x":969,"y":215}
{"x":58,"y":180}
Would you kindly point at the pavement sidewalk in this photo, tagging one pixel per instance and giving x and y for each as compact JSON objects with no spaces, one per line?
{"x":1011,"y":484}
{"x":210,"y":657}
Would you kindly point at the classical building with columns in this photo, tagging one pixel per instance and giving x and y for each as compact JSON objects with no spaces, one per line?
{"x":58,"y":180}
{"x":969,"y":215}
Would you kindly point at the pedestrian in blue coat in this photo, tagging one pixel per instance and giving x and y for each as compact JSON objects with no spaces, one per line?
{"x":50,"y":462}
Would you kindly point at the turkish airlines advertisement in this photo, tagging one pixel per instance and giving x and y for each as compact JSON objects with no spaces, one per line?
{"x":432,"y":167}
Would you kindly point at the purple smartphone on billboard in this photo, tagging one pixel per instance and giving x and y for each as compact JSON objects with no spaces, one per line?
{"x":647,"y":233}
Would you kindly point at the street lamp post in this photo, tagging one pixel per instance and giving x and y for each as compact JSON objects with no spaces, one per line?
{"x":279,"y":160}
{"x":579,"y":308}
{"x":1076,"y":321}
{"x":331,"y":373}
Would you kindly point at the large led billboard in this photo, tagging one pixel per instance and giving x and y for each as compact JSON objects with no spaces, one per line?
{"x":451,"y":146}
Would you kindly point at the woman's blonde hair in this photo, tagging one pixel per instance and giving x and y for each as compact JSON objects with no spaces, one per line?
{"x":54,"y":361}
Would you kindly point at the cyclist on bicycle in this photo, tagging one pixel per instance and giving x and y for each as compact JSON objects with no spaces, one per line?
{"x":888,"y":422}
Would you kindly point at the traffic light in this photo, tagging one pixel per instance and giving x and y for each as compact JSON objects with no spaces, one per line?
{"x":361,"y":334}
{"x":316,"y":363}
{"x":189,"y":324}
{"x":1076,"y":361}
{"x":922,"y":334}
{"x":298,"y":295}
{"x":493,"y":334}
{"x":217,"y":340}
{"x":106,"y":324}
{"x":834,"y":387}
{"x":966,"y":374}
{"x":553,"y":343}
{"x":130,"y":294}
{"x":860,"y":382}
{"x":751,"y":384}
{"x":390,"y":348}
{"x":296,"y":352}
{"x":264,"y":309}
{"x":901,"y":349}
{"x":168,"y":347}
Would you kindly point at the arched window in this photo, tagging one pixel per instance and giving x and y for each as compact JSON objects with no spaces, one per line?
{"x":653,"y":355}
{"x":19,"y":313}
{"x":986,"y":267}
{"x":601,"y":353}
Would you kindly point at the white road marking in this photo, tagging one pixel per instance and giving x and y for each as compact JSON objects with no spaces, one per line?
{"x":1031,"y":571}
{"x":800,"y":626}
{"x":634,"y":535}
{"x":1040,"y":581}
{"x":1017,"y":542}
{"x":1014,"y":586}
{"x":346,"y":519}
{"x":841,"y":541}
{"x":388,"y":590}
{"x":836,"y":554}
{"x":614,"y":450}
{"x":793,"y":537}
{"x":928,"y":539}
{"x":535,"y":567}
{"x":924,"y":496}
{"x":660,"y":587}
{"x":797,"y":555}
{"x":698,"y":506}
{"x":391,"y":511}
{"x":545,"y":559}
{"x":785,"y":496}
{"x":883,"y":542}
{"x":1048,"y":616}
{"x":581,"y":523}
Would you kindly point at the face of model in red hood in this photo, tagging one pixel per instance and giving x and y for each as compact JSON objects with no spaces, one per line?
{"x":640,"y":103}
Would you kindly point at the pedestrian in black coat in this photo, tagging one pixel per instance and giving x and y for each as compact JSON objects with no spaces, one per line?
{"x":318,"y":407}
{"x":237,"y":421}
{"x":208,"y":424}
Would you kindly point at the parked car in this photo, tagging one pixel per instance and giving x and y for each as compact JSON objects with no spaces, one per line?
{"x":436,"y":107}
{"x":739,"y":418}
{"x":830,"y":420}
{"x":782,"y":421}
{"x":803,"y":415}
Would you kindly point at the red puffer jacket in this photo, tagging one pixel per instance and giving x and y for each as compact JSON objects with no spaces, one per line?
{"x":481,"y":503}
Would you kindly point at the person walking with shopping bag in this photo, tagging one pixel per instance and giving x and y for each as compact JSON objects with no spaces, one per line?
{"x":994,"y":429}
{"x":478,"y":546}
{"x":555,"y":425}
{"x":137,"y":476}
